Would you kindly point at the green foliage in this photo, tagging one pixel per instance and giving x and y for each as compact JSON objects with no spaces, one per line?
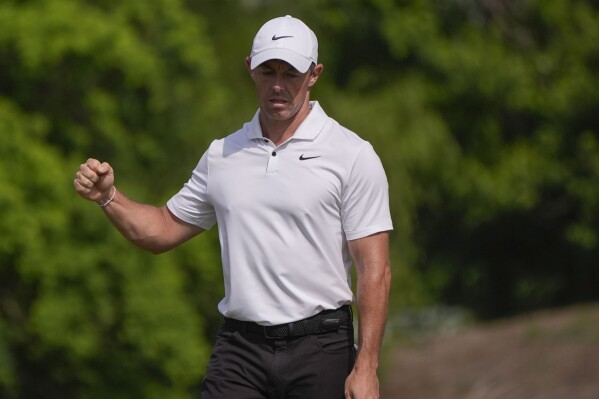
{"x":503,"y":227}
{"x":84,"y":313}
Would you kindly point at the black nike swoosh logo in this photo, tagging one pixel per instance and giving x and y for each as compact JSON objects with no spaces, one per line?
{"x":275,"y":37}
{"x":303,"y":158}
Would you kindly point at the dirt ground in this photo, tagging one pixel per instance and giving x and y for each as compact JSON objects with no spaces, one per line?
{"x":546,"y":355}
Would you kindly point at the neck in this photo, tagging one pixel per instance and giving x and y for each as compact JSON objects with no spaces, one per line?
{"x":279,"y":131}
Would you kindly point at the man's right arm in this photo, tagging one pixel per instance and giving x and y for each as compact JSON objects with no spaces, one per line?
{"x":154,"y":229}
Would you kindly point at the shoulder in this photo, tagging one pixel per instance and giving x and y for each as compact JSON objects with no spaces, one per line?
{"x":335,"y":131}
{"x":347,"y":137}
{"x":346,"y":142}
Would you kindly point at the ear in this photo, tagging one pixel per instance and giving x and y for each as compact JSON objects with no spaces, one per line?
{"x":315,"y":74}
{"x":248,"y":61}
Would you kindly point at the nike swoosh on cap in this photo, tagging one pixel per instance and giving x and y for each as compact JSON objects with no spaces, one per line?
{"x":275,"y":37}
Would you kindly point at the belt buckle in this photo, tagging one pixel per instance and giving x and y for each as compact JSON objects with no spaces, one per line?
{"x":286,"y":328}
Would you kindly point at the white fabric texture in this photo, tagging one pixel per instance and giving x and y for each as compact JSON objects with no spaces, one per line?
{"x":285,"y":214}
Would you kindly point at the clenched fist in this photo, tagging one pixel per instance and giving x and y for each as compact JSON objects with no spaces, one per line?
{"x":94,"y":181}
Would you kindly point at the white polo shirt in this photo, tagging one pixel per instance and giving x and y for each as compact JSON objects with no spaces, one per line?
{"x":285,"y":214}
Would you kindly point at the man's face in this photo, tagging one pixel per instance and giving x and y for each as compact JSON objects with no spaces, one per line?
{"x":281,"y":89}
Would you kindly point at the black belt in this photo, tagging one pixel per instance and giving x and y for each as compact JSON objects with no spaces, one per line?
{"x":325,"y":321}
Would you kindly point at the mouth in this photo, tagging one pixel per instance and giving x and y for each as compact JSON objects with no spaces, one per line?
{"x":278,"y":102}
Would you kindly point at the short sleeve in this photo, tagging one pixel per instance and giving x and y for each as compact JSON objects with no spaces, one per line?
{"x":365,"y":200}
{"x":191,"y":203}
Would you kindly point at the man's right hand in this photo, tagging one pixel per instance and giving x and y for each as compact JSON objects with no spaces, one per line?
{"x":151,"y":228}
{"x":94,"y":181}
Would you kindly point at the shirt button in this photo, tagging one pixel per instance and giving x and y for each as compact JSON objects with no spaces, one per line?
{"x":274,"y":153}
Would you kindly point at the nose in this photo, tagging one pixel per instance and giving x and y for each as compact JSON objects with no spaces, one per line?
{"x":278,"y":83}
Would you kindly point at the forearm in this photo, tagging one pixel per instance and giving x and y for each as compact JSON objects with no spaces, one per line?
{"x":373,"y":299}
{"x":371,"y":257}
{"x":151,"y":228}
{"x":144,"y":225}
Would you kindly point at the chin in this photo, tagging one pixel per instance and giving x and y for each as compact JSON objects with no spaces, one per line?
{"x":278,"y":114}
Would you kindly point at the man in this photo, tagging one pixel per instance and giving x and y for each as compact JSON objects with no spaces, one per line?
{"x":296,"y":198}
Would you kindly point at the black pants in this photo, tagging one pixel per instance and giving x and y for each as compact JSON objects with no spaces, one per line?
{"x":247,"y":365}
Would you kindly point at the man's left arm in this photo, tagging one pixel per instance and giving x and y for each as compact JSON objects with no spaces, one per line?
{"x":371,"y":257}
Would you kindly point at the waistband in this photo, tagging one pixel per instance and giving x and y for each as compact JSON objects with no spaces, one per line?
{"x":325,"y":321}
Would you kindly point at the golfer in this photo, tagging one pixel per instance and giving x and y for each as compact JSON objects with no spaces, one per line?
{"x":297,"y":199}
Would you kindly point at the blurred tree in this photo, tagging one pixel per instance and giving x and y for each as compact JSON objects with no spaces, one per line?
{"x":502,"y":221}
{"x":85,"y":314}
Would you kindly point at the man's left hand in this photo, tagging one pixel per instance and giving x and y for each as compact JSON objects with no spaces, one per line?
{"x":362,"y":385}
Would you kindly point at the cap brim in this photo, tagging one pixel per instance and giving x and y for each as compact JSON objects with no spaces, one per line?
{"x":301,"y":63}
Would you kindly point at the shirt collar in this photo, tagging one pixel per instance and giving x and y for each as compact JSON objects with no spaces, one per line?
{"x":309,"y":129}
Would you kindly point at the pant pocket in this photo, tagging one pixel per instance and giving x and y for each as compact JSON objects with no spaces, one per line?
{"x":340,"y":342}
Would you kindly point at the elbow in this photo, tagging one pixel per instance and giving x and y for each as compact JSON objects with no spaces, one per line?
{"x":386,"y":276}
{"x":376,"y":278}
{"x":387,"y":272}
{"x":381,"y":277}
{"x":157,"y":251}
{"x":151,"y":246}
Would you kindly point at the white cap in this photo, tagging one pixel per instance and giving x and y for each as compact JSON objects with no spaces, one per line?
{"x":288,"y":39}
